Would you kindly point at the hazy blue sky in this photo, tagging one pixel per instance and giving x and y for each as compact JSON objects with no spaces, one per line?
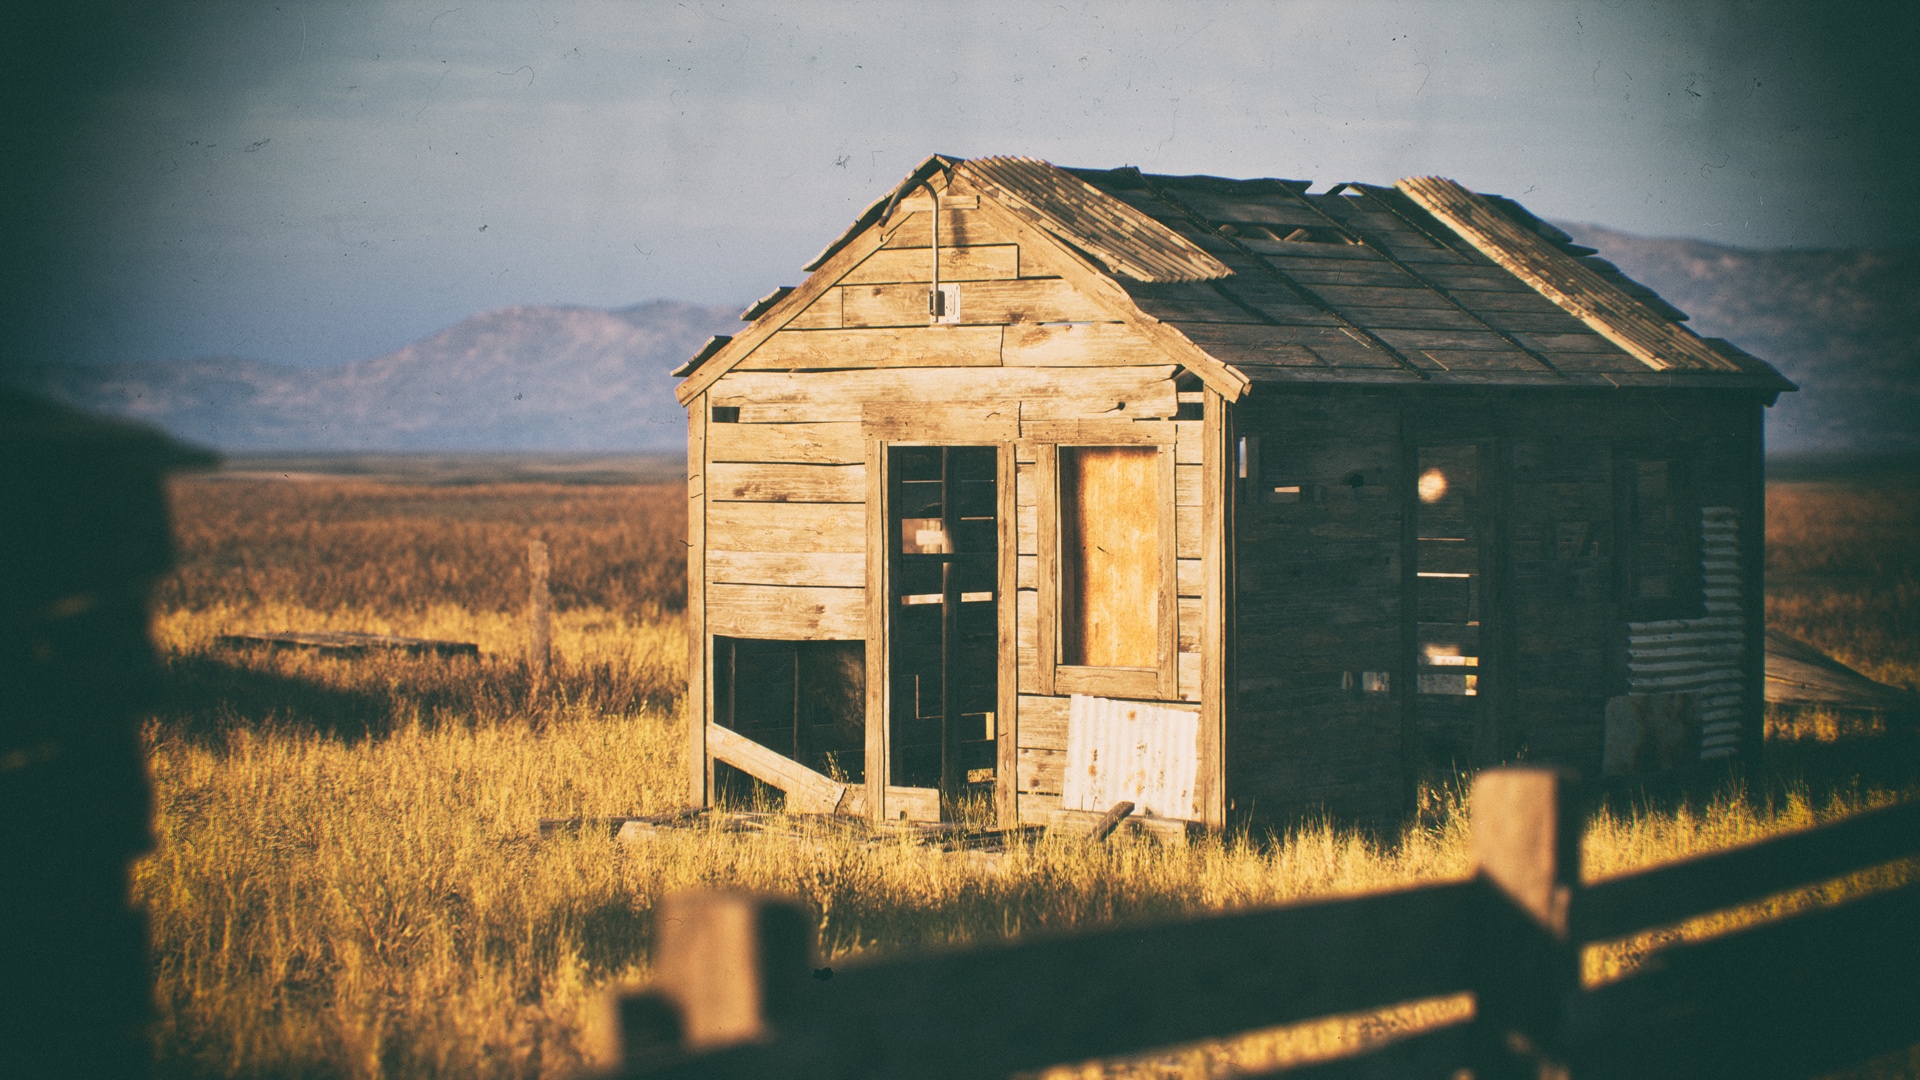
{"x":313,"y":183}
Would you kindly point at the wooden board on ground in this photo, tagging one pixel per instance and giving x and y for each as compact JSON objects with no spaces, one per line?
{"x":351,"y":644}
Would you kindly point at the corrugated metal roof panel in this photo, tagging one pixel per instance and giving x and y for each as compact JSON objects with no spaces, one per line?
{"x":1128,"y":241}
{"x":1131,"y":751}
{"x":1583,"y":291}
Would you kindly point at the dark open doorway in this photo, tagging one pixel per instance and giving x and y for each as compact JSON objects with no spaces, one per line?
{"x":943,"y":530}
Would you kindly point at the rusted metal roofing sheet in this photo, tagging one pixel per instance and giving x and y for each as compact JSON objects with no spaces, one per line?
{"x":1657,"y":342}
{"x":1129,"y":750}
{"x":1128,"y":241}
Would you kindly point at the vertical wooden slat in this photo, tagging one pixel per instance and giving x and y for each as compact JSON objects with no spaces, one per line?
{"x":1047,"y":489}
{"x":1006,"y":787}
{"x":1216,"y":635}
{"x":1169,"y":599}
{"x":1404,"y":670}
{"x":699,"y":766}
{"x":878,"y":611}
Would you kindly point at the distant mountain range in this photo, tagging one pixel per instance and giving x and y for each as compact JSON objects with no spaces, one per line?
{"x":1845,"y":325}
{"x":540,"y":378}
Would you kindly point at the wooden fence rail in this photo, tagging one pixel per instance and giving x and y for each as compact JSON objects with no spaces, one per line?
{"x":735,"y":996}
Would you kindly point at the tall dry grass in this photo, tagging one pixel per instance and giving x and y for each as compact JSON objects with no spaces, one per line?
{"x":1843,"y":571}
{"x":349,"y":880}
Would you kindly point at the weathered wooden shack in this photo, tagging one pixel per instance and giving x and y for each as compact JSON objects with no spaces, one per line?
{"x":1065,"y":485}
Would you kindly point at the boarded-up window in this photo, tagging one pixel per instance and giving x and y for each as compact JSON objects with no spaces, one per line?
{"x":1110,"y":556}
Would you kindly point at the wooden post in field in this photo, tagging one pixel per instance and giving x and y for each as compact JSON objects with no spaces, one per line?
{"x":731,"y":963}
{"x":539,"y":610}
{"x":1526,"y":848}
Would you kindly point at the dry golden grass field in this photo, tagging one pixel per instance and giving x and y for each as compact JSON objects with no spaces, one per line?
{"x":349,"y":882}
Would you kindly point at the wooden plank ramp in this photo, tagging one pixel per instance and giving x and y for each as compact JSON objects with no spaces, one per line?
{"x":346,"y":643}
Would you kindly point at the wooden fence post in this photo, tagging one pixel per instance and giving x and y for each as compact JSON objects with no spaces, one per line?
{"x":539,"y":610}
{"x":732,"y":963}
{"x":1526,"y":849}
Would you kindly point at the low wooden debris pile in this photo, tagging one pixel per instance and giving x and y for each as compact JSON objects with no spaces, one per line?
{"x":800,"y":827}
{"x":343,"y":643}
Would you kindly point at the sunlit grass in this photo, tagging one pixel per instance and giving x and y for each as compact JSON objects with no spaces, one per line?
{"x":349,"y":880}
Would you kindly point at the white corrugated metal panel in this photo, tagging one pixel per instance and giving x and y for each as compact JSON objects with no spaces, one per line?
{"x":1131,"y":751}
{"x":1701,"y":657}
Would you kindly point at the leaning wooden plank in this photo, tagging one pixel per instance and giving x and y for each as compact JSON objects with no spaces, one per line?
{"x":792,"y":527}
{"x":807,"y":791}
{"x":956,"y":264}
{"x":1669,"y":894}
{"x":812,"y":444}
{"x":767,"y":482}
{"x":1044,"y":393}
{"x":347,"y":643}
{"x":787,"y":613}
{"x":838,"y":569}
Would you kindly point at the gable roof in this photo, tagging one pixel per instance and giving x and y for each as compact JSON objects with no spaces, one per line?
{"x":1256,"y":281}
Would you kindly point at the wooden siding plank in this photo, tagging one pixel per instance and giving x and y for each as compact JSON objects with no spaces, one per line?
{"x":897,"y":347}
{"x":1191,"y":575}
{"x":698,"y":706}
{"x":825,"y":313}
{"x":790,"y":527}
{"x":766,"y":482}
{"x":1192,"y":623}
{"x":1192,"y":675}
{"x":1188,"y":525}
{"x":1098,"y":432}
{"x":1029,"y":572}
{"x":1027,"y":638}
{"x":1085,"y":344}
{"x":941,"y":422}
{"x":812,"y":444}
{"x":1023,"y":300}
{"x":958,"y":228}
{"x":1006,"y":803}
{"x":839,"y":569}
{"x":1187,"y":485}
{"x":1217,"y":645}
{"x":787,"y":613}
{"x":878,"y":599}
{"x":1042,"y":771}
{"x":1043,"y":393}
{"x":1189,"y":440}
{"x":1043,"y":722}
{"x":980,"y":263}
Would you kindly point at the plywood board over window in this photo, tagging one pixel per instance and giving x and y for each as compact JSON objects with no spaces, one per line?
{"x":1108,"y":570}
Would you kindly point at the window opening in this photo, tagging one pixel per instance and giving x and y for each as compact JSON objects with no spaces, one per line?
{"x":1447,"y":573}
{"x":803,"y":699}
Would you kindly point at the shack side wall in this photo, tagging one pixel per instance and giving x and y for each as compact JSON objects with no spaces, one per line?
{"x":792,"y":453}
{"x":1324,"y":579}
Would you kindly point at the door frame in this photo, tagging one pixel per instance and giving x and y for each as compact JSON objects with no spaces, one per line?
{"x":883,"y":803}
